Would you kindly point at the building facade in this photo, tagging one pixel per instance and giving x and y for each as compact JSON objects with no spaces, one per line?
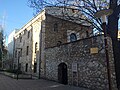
{"x":26,"y":48}
{"x":74,"y":56}
{"x":42,"y":32}
{"x":54,"y":48}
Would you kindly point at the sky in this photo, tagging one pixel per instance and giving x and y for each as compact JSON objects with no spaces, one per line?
{"x":14,"y":14}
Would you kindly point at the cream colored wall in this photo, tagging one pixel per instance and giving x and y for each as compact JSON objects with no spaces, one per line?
{"x":36,"y":38}
{"x":34,"y":26}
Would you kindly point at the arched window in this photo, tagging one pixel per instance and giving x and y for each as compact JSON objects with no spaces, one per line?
{"x":73,"y":37}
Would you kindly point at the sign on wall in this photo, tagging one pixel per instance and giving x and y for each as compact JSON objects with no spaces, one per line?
{"x":94,"y":50}
{"x":74,"y":67}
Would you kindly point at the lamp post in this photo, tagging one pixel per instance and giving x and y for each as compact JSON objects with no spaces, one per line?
{"x":103,"y":15}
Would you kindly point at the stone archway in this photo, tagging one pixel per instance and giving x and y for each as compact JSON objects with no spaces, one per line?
{"x":62,"y":73}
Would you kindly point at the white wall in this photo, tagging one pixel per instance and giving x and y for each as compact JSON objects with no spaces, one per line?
{"x":11,"y":43}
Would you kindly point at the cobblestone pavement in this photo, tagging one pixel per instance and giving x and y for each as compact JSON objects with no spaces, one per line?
{"x":7,"y":83}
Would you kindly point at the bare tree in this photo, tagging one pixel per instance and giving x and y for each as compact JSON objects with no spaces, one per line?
{"x":86,"y":10}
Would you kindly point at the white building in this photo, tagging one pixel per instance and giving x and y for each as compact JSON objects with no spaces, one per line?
{"x":11,"y":44}
{"x":8,"y":62}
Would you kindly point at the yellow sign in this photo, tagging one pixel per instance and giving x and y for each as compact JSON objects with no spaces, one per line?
{"x":94,"y":50}
{"x":119,"y":34}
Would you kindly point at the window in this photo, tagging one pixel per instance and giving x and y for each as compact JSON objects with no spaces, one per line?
{"x":35,"y":47}
{"x":28,"y":34}
{"x":25,"y":31}
{"x":27,"y":50}
{"x":16,"y":54}
{"x":55,"y":27}
{"x":21,"y":52}
{"x":20,"y":37}
{"x":35,"y":67}
{"x":73,"y":37}
{"x":87,"y":34}
{"x":26,"y":67}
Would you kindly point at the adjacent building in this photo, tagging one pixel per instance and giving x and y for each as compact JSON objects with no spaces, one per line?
{"x":8,"y":63}
{"x":26,"y":47}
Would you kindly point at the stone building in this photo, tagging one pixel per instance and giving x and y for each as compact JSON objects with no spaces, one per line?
{"x":26,"y":47}
{"x":43,"y":31}
{"x":80,"y":63}
{"x":74,"y":56}
{"x":66,"y":52}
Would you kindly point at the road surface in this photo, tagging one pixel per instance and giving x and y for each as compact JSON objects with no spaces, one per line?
{"x":7,"y":83}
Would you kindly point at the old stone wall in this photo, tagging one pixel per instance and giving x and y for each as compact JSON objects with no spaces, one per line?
{"x":84,"y":68}
{"x":21,"y":43}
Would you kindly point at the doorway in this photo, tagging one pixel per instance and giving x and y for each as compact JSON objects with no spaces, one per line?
{"x":62,"y":73}
{"x":26,"y":67}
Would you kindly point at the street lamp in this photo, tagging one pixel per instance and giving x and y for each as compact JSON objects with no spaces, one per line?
{"x":103,"y":15}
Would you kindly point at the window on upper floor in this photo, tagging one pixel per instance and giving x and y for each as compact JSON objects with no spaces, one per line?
{"x":56,"y":27}
{"x":73,"y":37}
{"x":16,"y":54}
{"x":28,"y":34}
{"x":27,"y":51}
{"x":36,"y":47}
{"x":20,"y":37}
{"x":25,"y":31}
{"x":87,"y":34}
{"x":21,"y":52}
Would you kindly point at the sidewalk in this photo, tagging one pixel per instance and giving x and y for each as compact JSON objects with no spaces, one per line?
{"x":20,"y":76}
{"x":7,"y":83}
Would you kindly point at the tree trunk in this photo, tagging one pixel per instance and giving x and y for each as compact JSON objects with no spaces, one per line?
{"x":116,"y":52}
{"x":112,"y":30}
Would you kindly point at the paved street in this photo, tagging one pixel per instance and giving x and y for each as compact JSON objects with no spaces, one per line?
{"x":7,"y":83}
